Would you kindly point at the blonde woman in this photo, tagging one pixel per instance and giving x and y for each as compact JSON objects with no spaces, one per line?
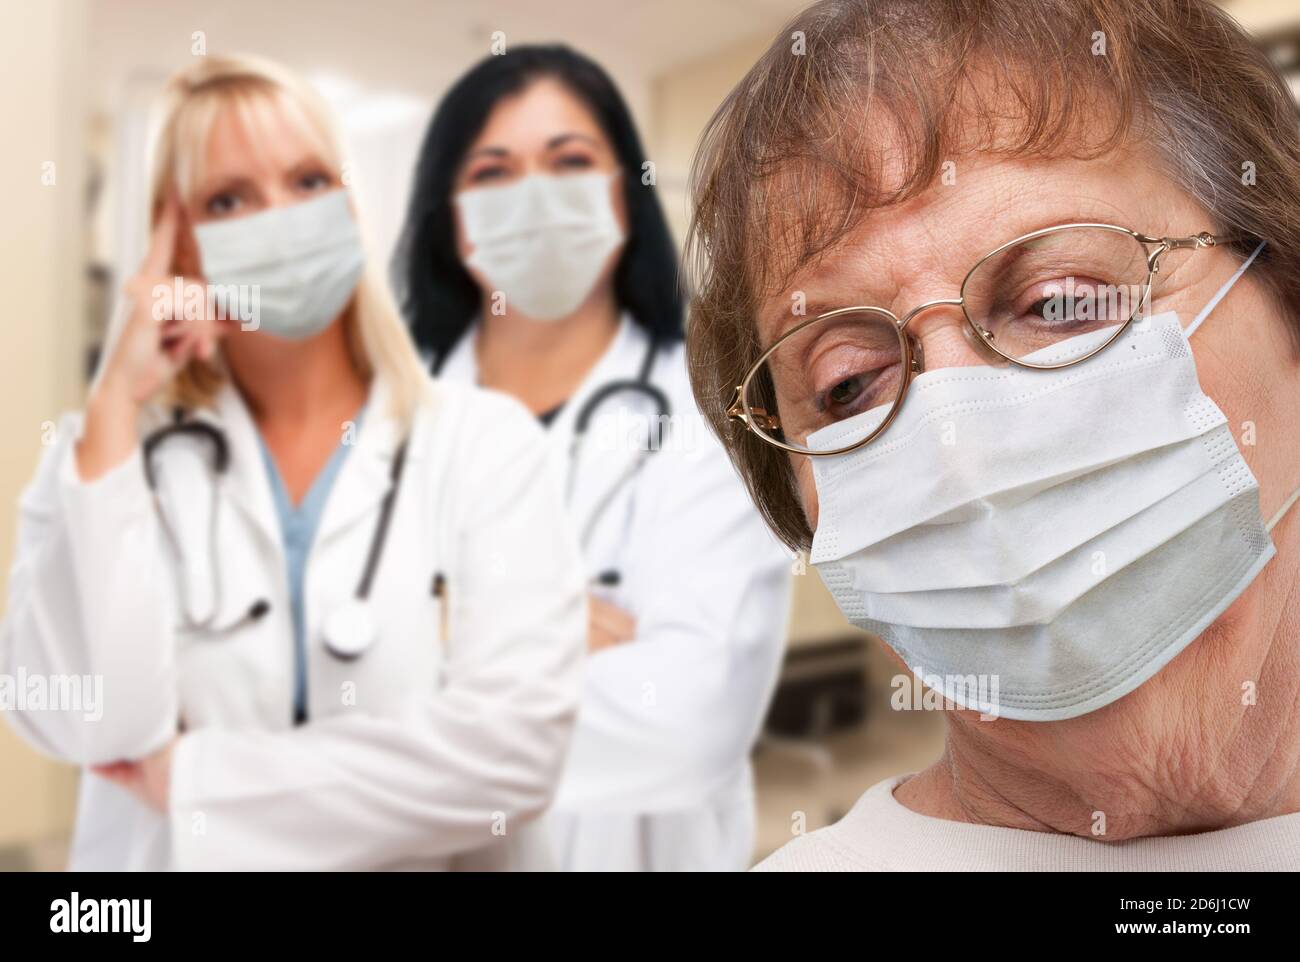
{"x":331,"y":609}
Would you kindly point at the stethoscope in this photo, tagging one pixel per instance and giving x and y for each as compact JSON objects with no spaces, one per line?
{"x":641,"y":385}
{"x":350,"y":629}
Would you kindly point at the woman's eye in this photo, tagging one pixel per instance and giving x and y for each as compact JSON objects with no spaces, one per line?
{"x":846,"y":390}
{"x":574,"y":162}
{"x":1044,"y":308}
{"x":1074,"y":300}
{"x":222,"y":205}
{"x":487,"y":174}
{"x":850,"y":394}
{"x":314,"y":181}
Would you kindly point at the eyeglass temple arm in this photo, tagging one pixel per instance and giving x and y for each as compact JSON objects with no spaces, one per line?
{"x":1191,"y":242}
{"x":736,"y":412}
{"x":1203,"y":239}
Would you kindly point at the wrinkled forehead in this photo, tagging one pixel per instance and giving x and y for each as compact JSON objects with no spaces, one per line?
{"x":896,"y":195}
{"x":921,"y":249}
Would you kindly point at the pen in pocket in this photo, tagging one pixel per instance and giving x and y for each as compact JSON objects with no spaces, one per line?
{"x":440,"y":592}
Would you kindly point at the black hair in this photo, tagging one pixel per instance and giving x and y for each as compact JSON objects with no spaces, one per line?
{"x":438,"y":296}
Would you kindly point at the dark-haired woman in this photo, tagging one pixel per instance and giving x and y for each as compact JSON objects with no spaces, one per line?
{"x":536,"y":261}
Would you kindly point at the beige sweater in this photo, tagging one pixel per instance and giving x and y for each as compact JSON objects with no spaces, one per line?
{"x":880,"y":835}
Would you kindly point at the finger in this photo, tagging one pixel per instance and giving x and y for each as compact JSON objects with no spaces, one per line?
{"x":621,"y":628}
{"x":142,"y":293}
{"x":193,"y":328}
{"x":599,"y":618}
{"x":612,"y":615}
{"x":203,"y":340}
{"x":162,"y":243}
{"x":171,"y":335}
{"x":599,"y":641}
{"x":179,"y":340}
{"x":185,"y":346}
{"x":181,"y":321}
{"x":213,"y":331}
{"x":603,"y":610}
{"x":186,"y":245}
{"x":208,"y":331}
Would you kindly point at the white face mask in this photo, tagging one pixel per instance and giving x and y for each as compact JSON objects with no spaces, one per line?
{"x":304,"y":261}
{"x":1036,"y":544}
{"x":543,"y":240}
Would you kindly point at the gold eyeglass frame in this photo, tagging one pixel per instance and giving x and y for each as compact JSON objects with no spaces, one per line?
{"x":758,"y":420}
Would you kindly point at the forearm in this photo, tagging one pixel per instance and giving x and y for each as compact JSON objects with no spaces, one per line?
{"x":87,"y":609}
{"x":442,"y":777}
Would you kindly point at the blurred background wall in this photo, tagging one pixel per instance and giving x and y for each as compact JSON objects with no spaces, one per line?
{"x":80,"y":76}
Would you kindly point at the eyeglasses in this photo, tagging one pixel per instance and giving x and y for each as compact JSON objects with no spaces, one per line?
{"x":1046,"y":300}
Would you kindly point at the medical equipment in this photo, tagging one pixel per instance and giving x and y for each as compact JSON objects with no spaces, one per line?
{"x":657,"y":427}
{"x":350,"y":629}
{"x":654,"y":441}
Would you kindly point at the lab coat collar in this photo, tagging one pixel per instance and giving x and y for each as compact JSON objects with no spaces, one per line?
{"x":621,"y":360}
{"x":366,"y":475}
{"x":362,"y":481}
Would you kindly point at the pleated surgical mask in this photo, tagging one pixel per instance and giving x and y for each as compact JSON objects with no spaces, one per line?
{"x":1037,"y":544}
{"x":304,"y":261}
{"x":542,"y":241}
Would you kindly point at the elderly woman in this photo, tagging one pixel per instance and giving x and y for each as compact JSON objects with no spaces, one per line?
{"x":999,"y":320}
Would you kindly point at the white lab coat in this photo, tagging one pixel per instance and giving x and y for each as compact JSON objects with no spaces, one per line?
{"x":658,"y":777}
{"x":426,"y":752}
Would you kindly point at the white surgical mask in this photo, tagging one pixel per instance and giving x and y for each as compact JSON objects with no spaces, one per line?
{"x":304,"y":262}
{"x":543,"y":240}
{"x":1037,"y":544}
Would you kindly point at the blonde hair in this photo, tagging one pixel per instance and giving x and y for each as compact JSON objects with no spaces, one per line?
{"x":256,"y":89}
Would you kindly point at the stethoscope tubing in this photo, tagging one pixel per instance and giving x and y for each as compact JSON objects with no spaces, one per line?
{"x":582,"y":421}
{"x":219,"y":468}
{"x":220,"y":463}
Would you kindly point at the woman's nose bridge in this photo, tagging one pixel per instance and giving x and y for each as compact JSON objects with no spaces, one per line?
{"x":928,"y":305}
{"x":948,"y":341}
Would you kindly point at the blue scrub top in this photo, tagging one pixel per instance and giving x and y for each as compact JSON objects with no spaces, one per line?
{"x":298,"y":530}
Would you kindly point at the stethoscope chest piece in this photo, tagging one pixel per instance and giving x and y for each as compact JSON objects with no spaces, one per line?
{"x":350,"y":630}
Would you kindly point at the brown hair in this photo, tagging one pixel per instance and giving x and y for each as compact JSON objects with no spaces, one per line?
{"x":785,"y":169}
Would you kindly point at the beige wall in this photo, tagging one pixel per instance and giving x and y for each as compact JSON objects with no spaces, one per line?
{"x":681,"y":102}
{"x":1263,"y":16}
{"x":41,"y":265}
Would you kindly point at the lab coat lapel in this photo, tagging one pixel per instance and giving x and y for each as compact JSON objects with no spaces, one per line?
{"x":621,"y":361}
{"x":591,"y":472}
{"x":361,"y":483}
{"x":364,"y":477}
